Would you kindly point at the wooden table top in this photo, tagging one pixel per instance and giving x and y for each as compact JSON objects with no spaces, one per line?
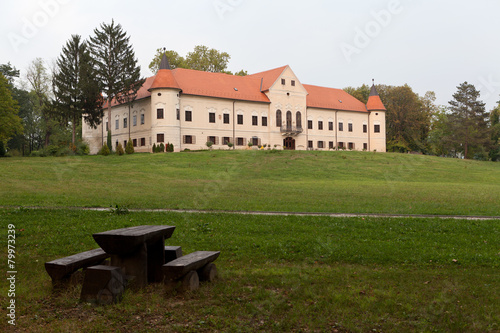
{"x":127,"y":240}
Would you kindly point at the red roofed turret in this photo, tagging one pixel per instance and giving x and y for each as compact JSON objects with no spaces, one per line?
{"x":374,"y":101}
{"x":165,"y":77}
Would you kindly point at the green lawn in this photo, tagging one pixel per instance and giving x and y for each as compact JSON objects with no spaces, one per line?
{"x":277,"y":273}
{"x":336,"y":182}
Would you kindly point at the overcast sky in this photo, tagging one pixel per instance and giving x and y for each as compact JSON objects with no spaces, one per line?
{"x":430,"y":45}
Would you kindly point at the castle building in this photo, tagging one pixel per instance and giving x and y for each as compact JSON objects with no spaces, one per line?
{"x":189,"y":108}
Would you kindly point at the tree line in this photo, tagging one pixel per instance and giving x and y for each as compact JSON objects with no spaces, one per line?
{"x":43,"y":114}
{"x":416,"y":124}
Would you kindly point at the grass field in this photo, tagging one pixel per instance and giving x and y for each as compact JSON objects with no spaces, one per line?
{"x":276,"y":273}
{"x":337,"y":182}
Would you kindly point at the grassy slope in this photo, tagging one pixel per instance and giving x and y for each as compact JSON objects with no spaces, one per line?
{"x":276,"y":274}
{"x":346,"y":182}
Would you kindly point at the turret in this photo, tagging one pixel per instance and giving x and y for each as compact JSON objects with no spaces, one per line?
{"x":376,"y":110}
{"x":165,"y":107}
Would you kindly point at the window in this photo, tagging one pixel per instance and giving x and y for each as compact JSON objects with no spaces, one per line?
{"x":125,"y":122}
{"x":365,"y":146}
{"x":288,"y":119}
{"x":255,"y":141}
{"x":160,"y":138}
{"x":264,"y":121}
{"x":178,"y":114}
{"x":106,"y":126}
{"x":309,"y":144}
{"x":143,"y":142}
{"x":365,"y":128}
{"x":278,"y":118}
{"x":330,"y":145}
{"x":125,"y":143}
{"x":142,"y":118}
{"x":341,"y":127}
{"x":212,"y":139}
{"x":330,"y":125}
{"x":321,"y":144}
{"x":134,"y":142}
{"x":293,"y":83}
{"x":159,"y":113}
{"x":240,"y":119}
{"x":188,"y":115}
{"x":349,"y":127}
{"x":226,"y":140}
{"x":310,"y":124}
{"x":341,"y":145}
{"x":351,"y":145}
{"x":116,"y":144}
{"x":377,"y":129}
{"x":134,"y":120}
{"x":117,"y":123}
{"x":283,"y":82}
{"x":211,"y":117}
{"x":188,"y":139}
{"x":320,"y":125}
{"x":298,"y":119}
{"x":240,"y":141}
{"x":255,"y":120}
{"x":226,"y":118}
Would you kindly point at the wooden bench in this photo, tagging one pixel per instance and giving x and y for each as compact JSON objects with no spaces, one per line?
{"x":172,"y":253}
{"x":190,"y":269}
{"x":60,"y":270}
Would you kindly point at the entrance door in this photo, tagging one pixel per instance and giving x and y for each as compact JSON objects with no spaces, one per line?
{"x":289,"y":143}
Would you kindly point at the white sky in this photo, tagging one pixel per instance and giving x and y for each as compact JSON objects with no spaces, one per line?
{"x":430,"y":45}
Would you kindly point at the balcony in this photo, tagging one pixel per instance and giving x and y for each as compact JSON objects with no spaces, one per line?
{"x":291,"y":130}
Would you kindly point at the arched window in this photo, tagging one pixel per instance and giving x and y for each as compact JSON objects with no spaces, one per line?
{"x":298,"y":119}
{"x":289,"y":119}
{"x":278,"y":118}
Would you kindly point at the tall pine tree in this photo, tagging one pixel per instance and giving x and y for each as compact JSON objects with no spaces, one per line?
{"x":114,"y":60}
{"x":76,"y":90}
{"x":468,"y":119}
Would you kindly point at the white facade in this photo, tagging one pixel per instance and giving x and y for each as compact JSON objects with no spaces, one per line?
{"x":222,"y":108}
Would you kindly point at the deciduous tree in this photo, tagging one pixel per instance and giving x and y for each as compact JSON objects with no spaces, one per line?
{"x":10,"y":123}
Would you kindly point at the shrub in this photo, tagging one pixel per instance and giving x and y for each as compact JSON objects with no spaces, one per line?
{"x":129,"y":149}
{"x":110,"y":146}
{"x":2,"y":149}
{"x":119,"y":149}
{"x":82,"y":148}
{"x":250,"y":144}
{"x":230,"y":145}
{"x":170,"y":147}
{"x":209,"y":144}
{"x":104,"y":151}
{"x":161,"y":148}
{"x":154,"y":147}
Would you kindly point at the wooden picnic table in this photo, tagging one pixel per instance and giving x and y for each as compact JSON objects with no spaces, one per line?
{"x":139,"y":251}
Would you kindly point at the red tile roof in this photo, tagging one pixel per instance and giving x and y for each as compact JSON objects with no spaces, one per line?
{"x":375,"y":104}
{"x":269,"y":77}
{"x":248,"y":88}
{"x":330,"y":98}
{"x":164,"y":79}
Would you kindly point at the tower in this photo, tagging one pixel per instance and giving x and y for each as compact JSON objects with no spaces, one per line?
{"x":376,"y":121}
{"x":165,"y":107}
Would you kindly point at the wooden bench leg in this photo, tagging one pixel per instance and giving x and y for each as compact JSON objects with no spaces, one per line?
{"x":103,"y":285}
{"x":208,"y":272}
{"x":190,"y":282}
